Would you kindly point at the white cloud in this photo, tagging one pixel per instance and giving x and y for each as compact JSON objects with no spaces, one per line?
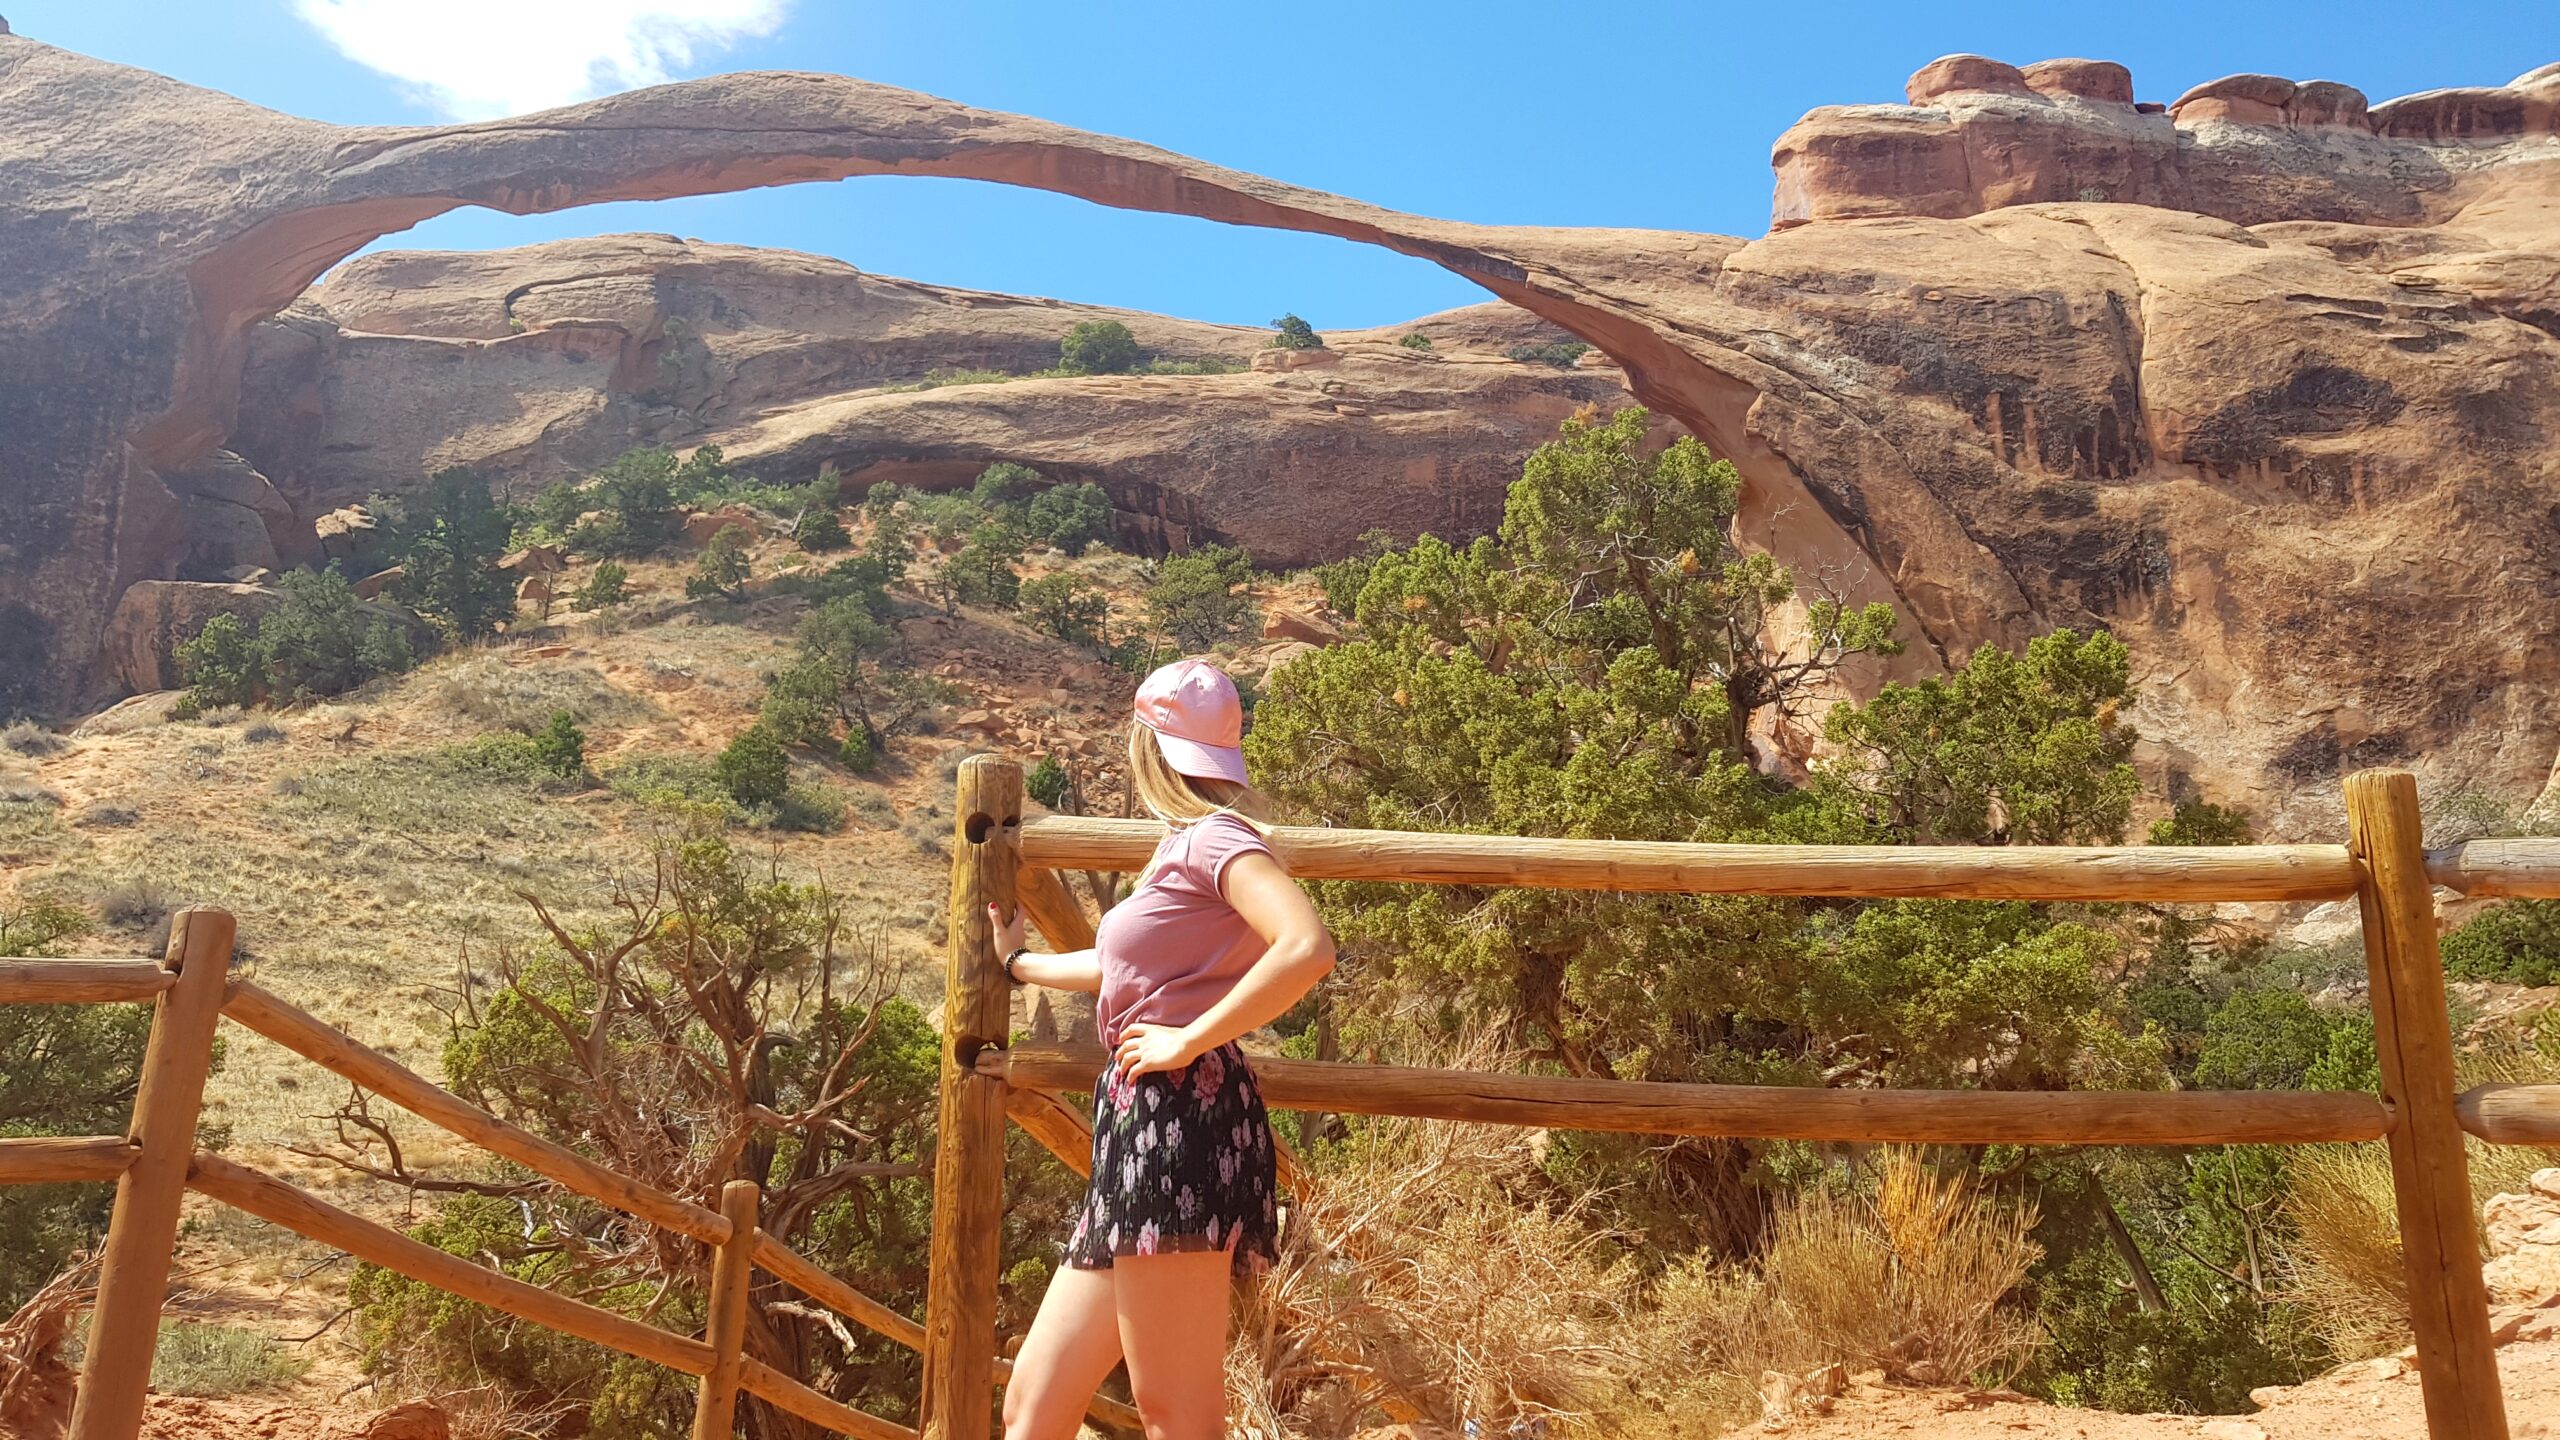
{"x":480,"y":59}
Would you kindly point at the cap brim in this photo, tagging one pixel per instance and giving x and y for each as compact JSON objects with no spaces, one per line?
{"x":1201,"y":762}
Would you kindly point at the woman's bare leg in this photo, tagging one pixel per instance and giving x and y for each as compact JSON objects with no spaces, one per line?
{"x":1173,"y":1328}
{"x":1074,"y":1342}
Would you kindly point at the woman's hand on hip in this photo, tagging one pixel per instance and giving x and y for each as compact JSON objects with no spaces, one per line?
{"x":1147,"y":1049}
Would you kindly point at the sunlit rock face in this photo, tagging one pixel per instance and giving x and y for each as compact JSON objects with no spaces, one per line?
{"x":2267,"y":381}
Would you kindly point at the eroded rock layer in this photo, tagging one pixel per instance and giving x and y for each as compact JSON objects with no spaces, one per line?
{"x":549,"y":360}
{"x":2273,"y":393}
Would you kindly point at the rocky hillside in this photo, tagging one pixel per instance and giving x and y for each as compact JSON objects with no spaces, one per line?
{"x":2266,"y":380}
{"x":550,"y":360}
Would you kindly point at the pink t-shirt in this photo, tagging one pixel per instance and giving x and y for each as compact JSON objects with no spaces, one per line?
{"x":1175,"y":947}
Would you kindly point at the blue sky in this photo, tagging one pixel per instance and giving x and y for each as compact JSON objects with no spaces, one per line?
{"x":1590,"y":113}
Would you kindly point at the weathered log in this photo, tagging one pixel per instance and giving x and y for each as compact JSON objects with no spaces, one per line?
{"x":2511,"y":1114}
{"x":1982,"y":872}
{"x":60,"y":1159}
{"x":1773,"y":1112}
{"x":81,"y":982}
{"x":2430,"y":1175}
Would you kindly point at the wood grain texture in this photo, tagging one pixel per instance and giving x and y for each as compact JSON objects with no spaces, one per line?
{"x":1053,"y":908}
{"x":2511,"y":1114}
{"x":133,"y":1271}
{"x":2521,"y":869}
{"x":766,"y":1383}
{"x":60,"y":1159}
{"x":2413,"y":1040}
{"x":325,"y":1046}
{"x":968,"y":1168}
{"x":2172,"y":872}
{"x":733,"y":1274}
{"x":82,"y":982}
{"x":1950,"y":1117}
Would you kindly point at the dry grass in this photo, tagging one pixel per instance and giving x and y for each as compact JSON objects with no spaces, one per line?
{"x":1433,"y":1274}
{"x":1417,"y":1280}
{"x":1907,"y":1274}
{"x":2344,"y":1261}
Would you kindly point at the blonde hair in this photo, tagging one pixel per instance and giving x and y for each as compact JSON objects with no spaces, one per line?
{"x":1178,"y":799}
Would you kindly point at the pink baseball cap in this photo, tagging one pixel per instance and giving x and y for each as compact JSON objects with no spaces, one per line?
{"x":1198,"y":722}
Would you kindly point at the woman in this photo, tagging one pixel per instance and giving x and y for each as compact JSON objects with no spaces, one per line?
{"x":1215,"y":941}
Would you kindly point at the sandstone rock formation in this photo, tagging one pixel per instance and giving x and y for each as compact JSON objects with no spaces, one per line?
{"x":549,"y":360}
{"x":2307,"y":468}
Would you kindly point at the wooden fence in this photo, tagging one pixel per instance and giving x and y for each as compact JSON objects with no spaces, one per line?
{"x":986,"y":1084}
{"x":156,"y":1161}
{"x":2382,"y":866}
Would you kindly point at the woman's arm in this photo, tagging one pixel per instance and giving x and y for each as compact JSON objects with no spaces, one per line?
{"x":1299,"y":953}
{"x":1072,"y":970}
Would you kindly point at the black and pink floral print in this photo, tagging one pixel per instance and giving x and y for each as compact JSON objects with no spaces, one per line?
{"x":1182,"y":1160}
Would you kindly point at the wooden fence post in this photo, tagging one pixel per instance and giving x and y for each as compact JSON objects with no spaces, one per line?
{"x":2413,"y":1039}
{"x":968,"y":1162}
{"x":733,"y":1273}
{"x":133,"y":1273}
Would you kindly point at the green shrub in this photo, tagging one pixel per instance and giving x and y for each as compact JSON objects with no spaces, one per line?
{"x":820,"y":529}
{"x":1098,"y":347}
{"x":633,"y":501}
{"x":447,"y":539}
{"x":1004,"y":490}
{"x":1201,"y":365}
{"x":982,"y":572}
{"x":722,"y":571}
{"x":608,"y":585}
{"x":755,"y":769}
{"x":2201,"y":822}
{"x":560,"y":747}
{"x":1070,"y":517}
{"x":1295,"y":334}
{"x":2517,"y":942}
{"x":1416,"y":341}
{"x":857,"y":753}
{"x":1064,"y":606}
{"x":1194,"y":597}
{"x":1559,"y":353}
{"x":321,"y":640}
{"x":1047,"y":782}
{"x":1342,"y":579}
{"x":220,"y":665}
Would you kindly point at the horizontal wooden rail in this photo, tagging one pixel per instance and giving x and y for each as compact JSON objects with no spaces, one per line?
{"x":2519,"y":869}
{"x":82,"y":982}
{"x":50,"y":1159}
{"x":323,"y":1045}
{"x":281,"y":1204}
{"x":285,"y":1205}
{"x":2511,"y":1114}
{"x":299,"y":1031}
{"x":1772,"y":1112}
{"x":1980,"y":872}
{"x":759,"y":1379}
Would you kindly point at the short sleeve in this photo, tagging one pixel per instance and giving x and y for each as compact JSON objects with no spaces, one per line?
{"x":1221,"y":840}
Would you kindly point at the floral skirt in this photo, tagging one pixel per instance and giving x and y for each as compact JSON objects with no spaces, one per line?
{"x":1181,"y":1161}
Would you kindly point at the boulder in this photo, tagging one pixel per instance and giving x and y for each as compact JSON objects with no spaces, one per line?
{"x":2086,"y":79}
{"x":701,"y":525}
{"x":351,"y":536}
{"x":236,"y":518}
{"x":155,"y":616}
{"x":1276,"y":361}
{"x":379,"y":583}
{"x":1285,"y":622}
{"x":535,"y":560}
{"x":2522,"y":1236}
{"x":1954,"y":74}
{"x":2249,"y":99}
